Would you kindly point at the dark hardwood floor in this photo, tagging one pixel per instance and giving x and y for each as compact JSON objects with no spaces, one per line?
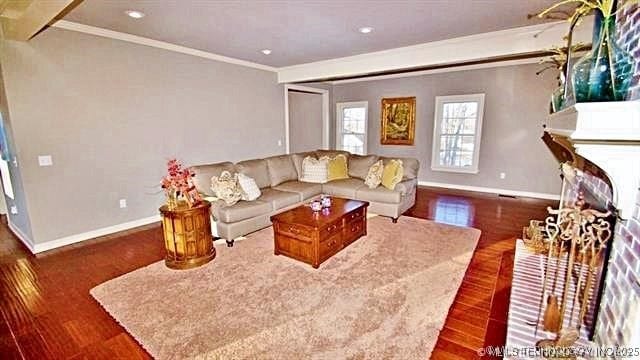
{"x":47,"y":311}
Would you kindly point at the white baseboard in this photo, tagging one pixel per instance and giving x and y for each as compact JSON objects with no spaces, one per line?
{"x":68,"y":240}
{"x":492,"y":190}
{"x":22,"y":236}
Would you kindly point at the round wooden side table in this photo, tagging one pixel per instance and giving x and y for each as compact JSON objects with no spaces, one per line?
{"x":187,"y":235}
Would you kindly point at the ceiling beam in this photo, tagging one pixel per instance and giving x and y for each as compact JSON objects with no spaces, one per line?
{"x":30,"y":17}
{"x":468,"y":49}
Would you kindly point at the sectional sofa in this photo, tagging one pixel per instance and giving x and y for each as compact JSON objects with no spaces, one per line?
{"x":279,"y":180}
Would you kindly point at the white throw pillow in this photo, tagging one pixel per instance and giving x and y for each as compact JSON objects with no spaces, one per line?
{"x":249,"y":189}
{"x":314,"y":170}
{"x":225,"y":187}
{"x":374,"y":176}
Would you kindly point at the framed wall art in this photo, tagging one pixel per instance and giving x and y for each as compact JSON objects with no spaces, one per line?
{"x":398,"y":121}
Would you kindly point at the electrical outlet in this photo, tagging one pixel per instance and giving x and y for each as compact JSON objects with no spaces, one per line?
{"x":14,"y":210}
{"x":503,"y":176}
{"x":279,"y":142}
{"x":123,"y":203}
{"x":45,"y":160}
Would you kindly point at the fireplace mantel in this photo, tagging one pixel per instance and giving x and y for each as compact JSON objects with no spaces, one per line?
{"x":608,"y":135}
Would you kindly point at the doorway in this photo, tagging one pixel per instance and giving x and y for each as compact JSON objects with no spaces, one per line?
{"x":306,"y":112}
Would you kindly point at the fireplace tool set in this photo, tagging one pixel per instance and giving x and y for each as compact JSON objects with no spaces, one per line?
{"x":574,"y":239}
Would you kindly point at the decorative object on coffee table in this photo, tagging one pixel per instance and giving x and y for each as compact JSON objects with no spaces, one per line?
{"x":187,"y":235}
{"x":313,"y":237}
{"x":398,"y":117}
{"x":178,"y":185}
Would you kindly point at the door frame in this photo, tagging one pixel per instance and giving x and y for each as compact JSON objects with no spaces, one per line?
{"x":325,"y":113}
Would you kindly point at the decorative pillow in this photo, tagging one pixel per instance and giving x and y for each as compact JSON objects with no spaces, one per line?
{"x":314,"y":170}
{"x":225,"y":187}
{"x":374,"y":176}
{"x":249,"y":190}
{"x":337,"y":168}
{"x":392,"y":174}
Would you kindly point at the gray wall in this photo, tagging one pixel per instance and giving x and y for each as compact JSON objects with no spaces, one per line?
{"x":516,"y":103}
{"x":111,"y":113}
{"x":305,"y":121}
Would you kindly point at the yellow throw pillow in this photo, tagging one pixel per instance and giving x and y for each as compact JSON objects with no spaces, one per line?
{"x":392,"y":174}
{"x":337,"y":168}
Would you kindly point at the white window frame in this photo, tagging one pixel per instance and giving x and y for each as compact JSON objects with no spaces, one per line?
{"x":339,"y":111}
{"x":437,"y":126}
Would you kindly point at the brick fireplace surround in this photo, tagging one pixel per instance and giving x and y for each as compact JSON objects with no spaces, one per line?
{"x":619,"y":319}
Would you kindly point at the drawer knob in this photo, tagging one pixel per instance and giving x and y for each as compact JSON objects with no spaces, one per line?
{"x":294,"y":230}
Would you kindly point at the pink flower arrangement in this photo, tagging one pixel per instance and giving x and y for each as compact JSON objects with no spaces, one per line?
{"x":178,"y":182}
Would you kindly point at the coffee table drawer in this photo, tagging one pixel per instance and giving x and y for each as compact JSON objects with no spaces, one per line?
{"x":354,"y":229}
{"x":332,"y":229}
{"x":295,"y":231}
{"x":355,"y":214}
{"x":330,"y":246}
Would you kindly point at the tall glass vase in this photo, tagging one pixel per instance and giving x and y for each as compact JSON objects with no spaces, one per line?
{"x":603,"y":74}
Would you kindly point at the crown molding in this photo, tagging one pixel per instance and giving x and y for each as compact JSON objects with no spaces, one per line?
{"x":495,"y":44}
{"x":97,"y":31}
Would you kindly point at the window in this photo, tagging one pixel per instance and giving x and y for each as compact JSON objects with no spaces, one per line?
{"x":351,"y":125}
{"x":456,"y":133}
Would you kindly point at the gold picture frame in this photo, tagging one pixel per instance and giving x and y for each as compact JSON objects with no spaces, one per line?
{"x":398,"y":121}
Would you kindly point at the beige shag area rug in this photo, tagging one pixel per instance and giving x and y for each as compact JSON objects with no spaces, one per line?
{"x":385,"y":296}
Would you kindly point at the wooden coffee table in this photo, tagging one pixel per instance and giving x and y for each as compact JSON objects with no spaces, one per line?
{"x":313,"y":237}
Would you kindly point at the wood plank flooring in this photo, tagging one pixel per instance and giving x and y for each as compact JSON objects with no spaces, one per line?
{"x":46,"y":311}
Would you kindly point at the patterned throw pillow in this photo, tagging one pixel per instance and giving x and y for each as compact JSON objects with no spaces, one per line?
{"x":225,"y":187}
{"x":249,"y":190}
{"x":314,"y":170}
{"x":392,"y":174}
{"x":337,"y":168}
{"x":374,"y":176}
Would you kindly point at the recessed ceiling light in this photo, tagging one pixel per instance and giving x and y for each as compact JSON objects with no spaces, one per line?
{"x":365,"y":30}
{"x":135,"y":14}
{"x":266,"y":51}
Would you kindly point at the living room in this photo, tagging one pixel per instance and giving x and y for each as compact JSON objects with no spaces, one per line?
{"x":351,"y":178}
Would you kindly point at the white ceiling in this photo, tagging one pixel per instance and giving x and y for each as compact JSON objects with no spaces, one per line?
{"x":304,"y":31}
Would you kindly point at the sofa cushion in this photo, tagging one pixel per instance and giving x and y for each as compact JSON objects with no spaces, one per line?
{"x":359,"y":165}
{"x":345,"y":188}
{"x":379,"y":194}
{"x":279,"y":199}
{"x":384,"y":195}
{"x":204,"y":173}
{"x":242,"y":210}
{"x":281,"y":169}
{"x":297,"y":161}
{"x":410,"y":166}
{"x":256,"y":169}
{"x":337,"y":168}
{"x":304,"y":189}
{"x":331,"y":153}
